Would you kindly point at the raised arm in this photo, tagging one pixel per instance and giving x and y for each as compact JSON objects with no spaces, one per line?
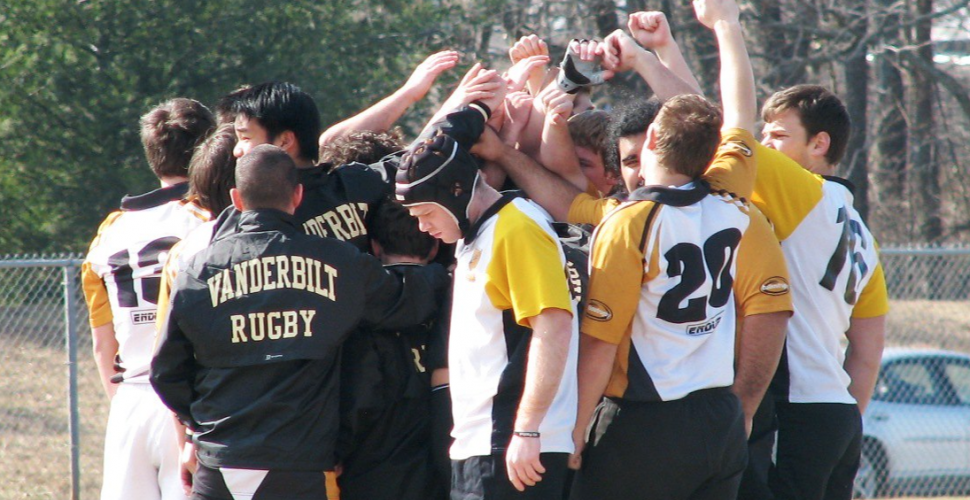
{"x":651,"y":30}
{"x":737,"y":80}
{"x":547,"y":189}
{"x":526,"y":47}
{"x":556,"y":151}
{"x":387,"y":111}
{"x":622,"y":53}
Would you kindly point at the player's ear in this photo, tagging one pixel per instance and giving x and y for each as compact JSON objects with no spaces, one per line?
{"x":287,"y":141}
{"x":819,"y":144}
{"x":297,"y":196}
{"x":434,"y":251}
{"x":650,"y":143}
{"x":376,"y":248}
{"x":236,"y":198}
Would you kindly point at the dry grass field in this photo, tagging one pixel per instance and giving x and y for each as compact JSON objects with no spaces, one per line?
{"x":34,"y":434}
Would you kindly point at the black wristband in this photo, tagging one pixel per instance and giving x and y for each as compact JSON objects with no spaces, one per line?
{"x":526,"y":434}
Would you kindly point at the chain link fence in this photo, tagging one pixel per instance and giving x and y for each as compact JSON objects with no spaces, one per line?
{"x":53,"y":410}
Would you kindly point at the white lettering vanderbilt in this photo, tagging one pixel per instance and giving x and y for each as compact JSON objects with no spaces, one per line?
{"x":273,"y":273}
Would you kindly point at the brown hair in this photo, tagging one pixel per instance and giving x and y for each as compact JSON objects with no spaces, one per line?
{"x":688,"y":129}
{"x":364,"y":146}
{"x":819,"y":111}
{"x":590,"y":130}
{"x":212,"y":172}
{"x":170,"y":133}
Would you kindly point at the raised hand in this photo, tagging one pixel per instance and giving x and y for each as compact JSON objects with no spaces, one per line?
{"x":518,"y":107}
{"x":425,"y":74}
{"x":650,"y":29}
{"x":620,"y":51}
{"x":556,"y":105}
{"x":524,"y":70}
{"x":528,"y":46}
{"x":582,"y":66}
{"x":710,"y":12}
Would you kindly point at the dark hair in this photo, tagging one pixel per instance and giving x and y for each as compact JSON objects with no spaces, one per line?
{"x":590,"y":130}
{"x":688,"y":131}
{"x":633,"y":118}
{"x":266,"y":177}
{"x":398,"y":233}
{"x":212,"y":172}
{"x":170,"y":132}
{"x":819,"y":111}
{"x":364,"y":146}
{"x":279,"y":107}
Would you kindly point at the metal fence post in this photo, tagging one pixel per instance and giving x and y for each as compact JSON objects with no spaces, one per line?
{"x":70,"y":334}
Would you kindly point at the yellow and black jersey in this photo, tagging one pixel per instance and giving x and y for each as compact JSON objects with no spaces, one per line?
{"x":666,"y":271}
{"x":122,"y":271}
{"x":509,"y":269}
{"x":731,"y":174}
{"x":835,"y":273}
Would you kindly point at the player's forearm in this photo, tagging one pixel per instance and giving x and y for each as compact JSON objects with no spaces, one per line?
{"x":548,"y":352}
{"x":673,"y":59}
{"x":380,"y":117}
{"x":866,"y":339}
{"x":737,"y":79}
{"x":761,"y":343}
{"x":595,"y":366}
{"x":558,"y":154}
{"x":664,"y":82}
{"x":547,"y":189}
{"x":105,"y":347}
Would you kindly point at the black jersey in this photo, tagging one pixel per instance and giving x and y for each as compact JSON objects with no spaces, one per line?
{"x":338,"y":201}
{"x":248,"y":352}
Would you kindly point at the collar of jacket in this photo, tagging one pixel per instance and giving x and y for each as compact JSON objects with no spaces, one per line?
{"x":259,"y":220}
{"x":672,"y":196}
{"x":155,"y":198}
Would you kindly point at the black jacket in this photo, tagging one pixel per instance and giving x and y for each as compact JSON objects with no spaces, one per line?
{"x":248,"y":354}
{"x":338,"y":202}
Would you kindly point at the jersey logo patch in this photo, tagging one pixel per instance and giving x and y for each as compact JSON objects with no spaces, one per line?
{"x":142,"y":317}
{"x":598,"y":311}
{"x":476,"y":256}
{"x":739,"y":147}
{"x":704,"y":328}
{"x":775,"y":286}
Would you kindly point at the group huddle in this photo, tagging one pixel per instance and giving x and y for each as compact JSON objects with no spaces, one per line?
{"x":532,"y":299}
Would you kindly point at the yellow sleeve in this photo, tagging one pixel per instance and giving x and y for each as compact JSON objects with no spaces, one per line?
{"x":526,"y":273}
{"x":616,"y":274}
{"x":874,"y":299}
{"x":169,"y":273}
{"x":734,"y":166}
{"x":762,"y":284}
{"x":96,"y":296}
{"x":784,"y":191}
{"x":95,"y":292}
{"x":586,"y":209}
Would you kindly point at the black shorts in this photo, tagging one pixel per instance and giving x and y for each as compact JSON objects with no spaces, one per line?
{"x":691,"y":448}
{"x":486,"y":478}
{"x":213,"y":484}
{"x":818,"y":451}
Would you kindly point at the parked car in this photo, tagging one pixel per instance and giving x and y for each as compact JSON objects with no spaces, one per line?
{"x":917,"y":427}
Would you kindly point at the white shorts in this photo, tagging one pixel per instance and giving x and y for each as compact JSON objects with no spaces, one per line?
{"x":141,"y":455}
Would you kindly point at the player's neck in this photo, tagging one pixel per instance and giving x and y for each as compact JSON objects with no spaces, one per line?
{"x":660,"y":176}
{"x":171,"y":181}
{"x":485,"y":196}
